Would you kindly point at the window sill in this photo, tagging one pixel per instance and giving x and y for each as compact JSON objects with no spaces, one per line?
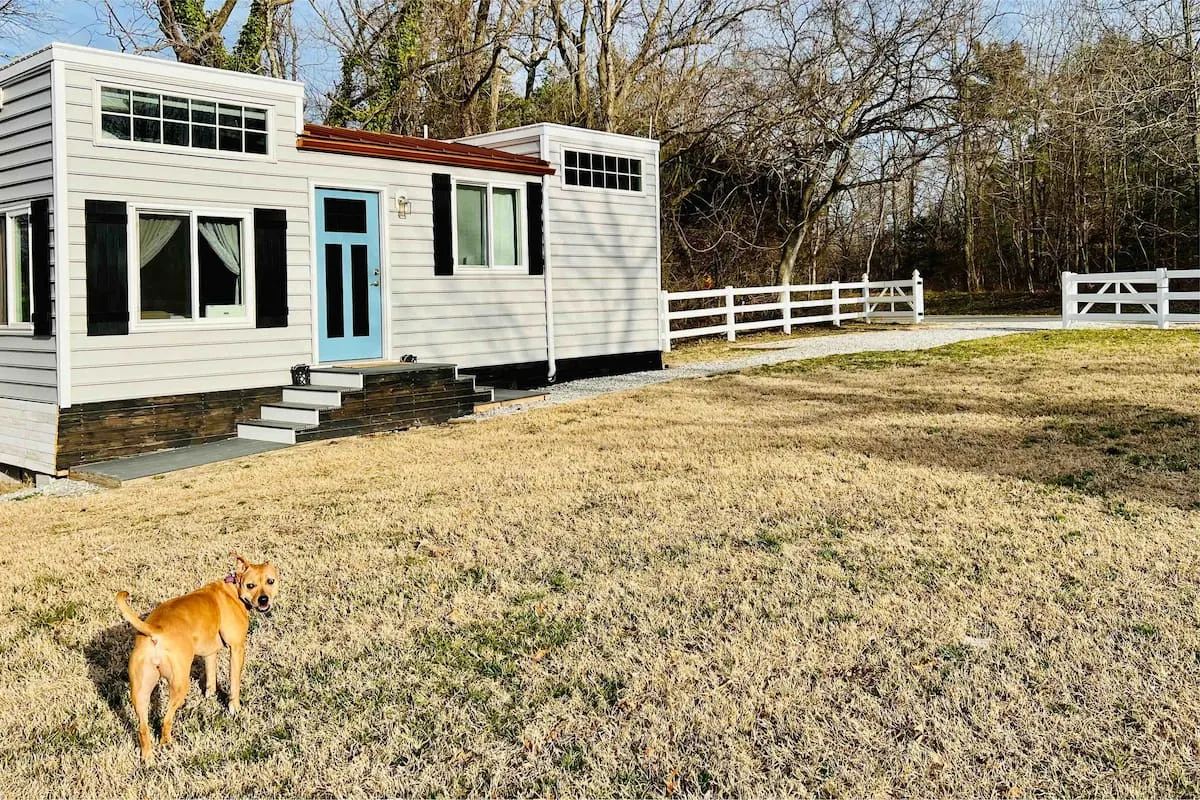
{"x":570,"y":187}
{"x":154,"y":326}
{"x":16,"y":329}
{"x":520,"y":269}
{"x":179,"y":150}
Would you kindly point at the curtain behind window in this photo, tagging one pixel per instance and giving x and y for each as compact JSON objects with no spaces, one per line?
{"x":153,"y":235}
{"x":165,"y":263}
{"x":224,"y":237}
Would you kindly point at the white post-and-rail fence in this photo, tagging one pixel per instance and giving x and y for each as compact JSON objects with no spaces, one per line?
{"x":871,"y":301}
{"x":1128,"y":297}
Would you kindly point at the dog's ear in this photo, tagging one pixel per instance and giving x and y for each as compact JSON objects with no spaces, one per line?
{"x":242,"y":563}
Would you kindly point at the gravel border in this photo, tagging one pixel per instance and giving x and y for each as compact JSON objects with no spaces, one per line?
{"x":934,"y":333}
{"x":60,"y":487}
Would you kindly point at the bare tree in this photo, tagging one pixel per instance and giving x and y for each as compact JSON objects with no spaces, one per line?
{"x":18,"y":16}
{"x":196,"y":35}
{"x":837,"y":78}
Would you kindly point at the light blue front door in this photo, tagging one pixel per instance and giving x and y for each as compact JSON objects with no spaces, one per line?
{"x":349,"y":293}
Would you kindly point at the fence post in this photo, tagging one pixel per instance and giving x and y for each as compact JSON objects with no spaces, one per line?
{"x":866,"y":298}
{"x":785,"y":297}
{"x":730,"y":317}
{"x":837,"y":304}
{"x":664,"y":321}
{"x":1164,"y":299}
{"x":918,"y":302}
{"x":1070,"y":307}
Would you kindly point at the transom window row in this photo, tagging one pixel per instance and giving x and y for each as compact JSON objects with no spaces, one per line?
{"x":601,"y":171}
{"x":129,"y":115}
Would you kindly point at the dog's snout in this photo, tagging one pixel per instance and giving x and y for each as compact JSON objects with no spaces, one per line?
{"x":263,"y":600}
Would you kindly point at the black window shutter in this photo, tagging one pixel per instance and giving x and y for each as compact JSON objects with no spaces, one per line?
{"x":106,"y":244}
{"x":270,"y":267}
{"x":533,"y":215}
{"x":443,"y":226}
{"x":39,"y":241}
{"x":107,"y":251}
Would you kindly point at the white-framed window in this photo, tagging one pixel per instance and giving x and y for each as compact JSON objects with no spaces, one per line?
{"x":191,"y":267}
{"x":16,"y":269}
{"x":489,"y":226}
{"x":157,"y":119}
{"x":602,"y":171}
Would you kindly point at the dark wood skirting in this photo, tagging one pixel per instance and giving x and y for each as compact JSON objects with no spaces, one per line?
{"x":392,"y":402}
{"x":388,"y":401}
{"x":94,"y":432}
{"x":532,"y":374}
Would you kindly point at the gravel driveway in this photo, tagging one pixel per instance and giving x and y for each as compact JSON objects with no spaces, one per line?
{"x":935,"y":332}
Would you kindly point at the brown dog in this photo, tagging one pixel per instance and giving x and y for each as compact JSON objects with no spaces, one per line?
{"x":194,"y":625}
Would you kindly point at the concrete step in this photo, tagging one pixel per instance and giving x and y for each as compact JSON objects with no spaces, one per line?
{"x":270,"y":430}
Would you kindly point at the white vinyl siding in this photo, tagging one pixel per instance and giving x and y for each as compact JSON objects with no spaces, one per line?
{"x":28,"y":434}
{"x":604,"y":248}
{"x":196,"y":357}
{"x":604,"y":254}
{"x":470,"y":320}
{"x":27,"y":365}
{"x":603,"y":244}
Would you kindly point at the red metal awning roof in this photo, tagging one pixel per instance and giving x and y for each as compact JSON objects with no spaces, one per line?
{"x":347,"y":141}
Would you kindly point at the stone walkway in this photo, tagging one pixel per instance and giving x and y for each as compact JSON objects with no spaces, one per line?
{"x":935,"y":332}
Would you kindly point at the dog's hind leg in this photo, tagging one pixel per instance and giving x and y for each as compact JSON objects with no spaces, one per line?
{"x":210,"y":675}
{"x":179,"y":680}
{"x":143,"y":677}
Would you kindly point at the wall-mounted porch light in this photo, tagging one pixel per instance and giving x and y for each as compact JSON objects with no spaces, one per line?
{"x":403,"y":206}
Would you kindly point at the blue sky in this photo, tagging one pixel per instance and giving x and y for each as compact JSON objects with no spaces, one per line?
{"x":85,"y":22}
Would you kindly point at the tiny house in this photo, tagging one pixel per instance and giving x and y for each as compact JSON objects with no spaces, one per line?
{"x":174,"y":239}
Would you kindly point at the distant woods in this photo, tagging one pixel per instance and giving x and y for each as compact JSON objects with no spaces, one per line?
{"x":801,"y":139}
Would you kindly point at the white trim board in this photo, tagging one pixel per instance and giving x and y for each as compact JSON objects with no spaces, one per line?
{"x":62,"y":263}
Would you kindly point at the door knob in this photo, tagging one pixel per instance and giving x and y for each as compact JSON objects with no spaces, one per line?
{"x":376,"y":281}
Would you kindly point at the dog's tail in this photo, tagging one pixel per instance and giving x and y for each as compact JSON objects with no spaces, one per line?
{"x":134,"y":619}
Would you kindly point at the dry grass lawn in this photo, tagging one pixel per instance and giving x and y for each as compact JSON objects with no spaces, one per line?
{"x":970,"y":571}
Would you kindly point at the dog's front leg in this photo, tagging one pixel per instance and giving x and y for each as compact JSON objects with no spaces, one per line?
{"x":237,"y":657}
{"x":210,"y":675}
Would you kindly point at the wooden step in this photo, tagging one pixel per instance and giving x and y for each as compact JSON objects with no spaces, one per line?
{"x":318,"y":395}
{"x":271,"y":430}
{"x":334,"y":376}
{"x":309,"y":413}
{"x":508,"y":398}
